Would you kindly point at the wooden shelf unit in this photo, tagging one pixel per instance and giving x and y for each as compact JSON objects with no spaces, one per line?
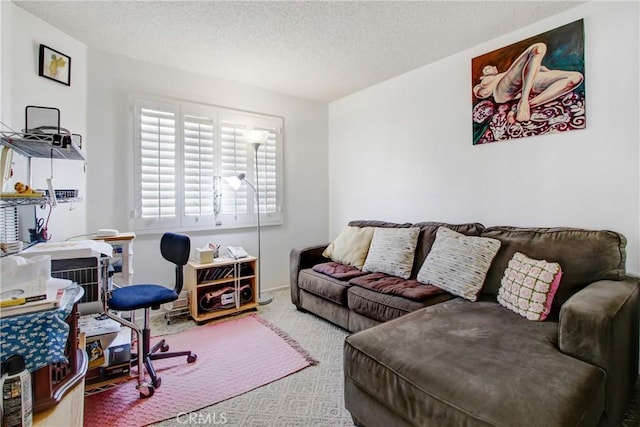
{"x":225,"y":284}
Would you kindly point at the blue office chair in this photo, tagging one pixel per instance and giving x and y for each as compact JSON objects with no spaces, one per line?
{"x":174,"y":248}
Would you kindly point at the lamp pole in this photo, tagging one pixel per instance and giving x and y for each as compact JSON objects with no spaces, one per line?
{"x":266,"y":299}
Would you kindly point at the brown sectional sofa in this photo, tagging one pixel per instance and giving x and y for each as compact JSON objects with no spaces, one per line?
{"x":448,"y":361}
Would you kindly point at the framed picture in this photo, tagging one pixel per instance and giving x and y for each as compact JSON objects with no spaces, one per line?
{"x":532,"y":87}
{"x":54,"y":65}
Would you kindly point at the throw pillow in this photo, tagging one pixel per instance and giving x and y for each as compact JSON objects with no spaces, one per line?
{"x":529,"y":285}
{"x":351,"y":246}
{"x":392,"y":251}
{"x":458,"y":263}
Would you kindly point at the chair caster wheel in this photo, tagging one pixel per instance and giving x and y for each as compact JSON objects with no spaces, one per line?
{"x":192,"y":358}
{"x":146,"y":391}
{"x":164,"y":348}
{"x":157,"y":383}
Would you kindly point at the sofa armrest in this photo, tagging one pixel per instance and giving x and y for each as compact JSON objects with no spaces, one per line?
{"x":599,"y":325}
{"x":299,"y":259}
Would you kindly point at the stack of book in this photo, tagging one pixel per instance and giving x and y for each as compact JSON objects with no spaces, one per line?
{"x":52,"y":299}
{"x":215,"y":273}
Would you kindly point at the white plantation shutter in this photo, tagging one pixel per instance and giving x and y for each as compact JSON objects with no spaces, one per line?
{"x":233,"y":161}
{"x":267,"y":175}
{"x":199,"y":167}
{"x":156,"y":166}
{"x":184,"y":152}
{"x":239,"y":157}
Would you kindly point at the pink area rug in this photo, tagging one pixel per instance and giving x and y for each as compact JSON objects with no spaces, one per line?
{"x":234,"y":357}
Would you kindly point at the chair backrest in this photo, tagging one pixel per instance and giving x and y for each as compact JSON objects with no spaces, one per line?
{"x":176,"y":248}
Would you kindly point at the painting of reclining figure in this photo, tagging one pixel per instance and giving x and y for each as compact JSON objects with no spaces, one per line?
{"x":532,"y":87}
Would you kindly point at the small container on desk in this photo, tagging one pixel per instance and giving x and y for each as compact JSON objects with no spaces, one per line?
{"x":221,"y":288}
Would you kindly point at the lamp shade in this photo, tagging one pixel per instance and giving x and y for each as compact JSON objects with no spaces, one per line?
{"x":255,"y":136}
{"x":235,"y":181}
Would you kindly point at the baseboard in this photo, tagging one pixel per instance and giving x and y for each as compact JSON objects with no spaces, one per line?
{"x":277,"y":288}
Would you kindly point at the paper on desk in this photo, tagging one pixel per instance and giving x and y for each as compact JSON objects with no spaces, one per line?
{"x":73,"y":249}
{"x":54,"y":283}
{"x":24,"y":277}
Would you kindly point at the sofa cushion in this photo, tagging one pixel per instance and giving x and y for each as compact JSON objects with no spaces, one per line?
{"x":338,"y":271}
{"x":458,"y":263}
{"x":383,"y":307}
{"x":393,"y":285}
{"x":392,"y":251}
{"x":585,"y":255}
{"x":459,"y":362}
{"x":529,"y":285}
{"x":351,"y":246}
{"x":324,"y":286}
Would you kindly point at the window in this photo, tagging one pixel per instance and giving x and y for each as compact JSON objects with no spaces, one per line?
{"x":184,"y":152}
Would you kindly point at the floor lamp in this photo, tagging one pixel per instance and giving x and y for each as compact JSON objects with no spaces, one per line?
{"x":255,"y":138}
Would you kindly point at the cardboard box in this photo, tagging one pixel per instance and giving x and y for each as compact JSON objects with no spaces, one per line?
{"x":96,"y":353}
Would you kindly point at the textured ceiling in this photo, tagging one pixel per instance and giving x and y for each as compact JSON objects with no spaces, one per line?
{"x":320,"y":50}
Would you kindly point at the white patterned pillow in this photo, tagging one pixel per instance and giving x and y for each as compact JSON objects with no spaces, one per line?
{"x":529,"y":285}
{"x":458,"y":263}
{"x":392,"y":251}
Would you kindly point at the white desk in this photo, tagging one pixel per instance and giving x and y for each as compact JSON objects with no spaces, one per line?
{"x":122,"y":243}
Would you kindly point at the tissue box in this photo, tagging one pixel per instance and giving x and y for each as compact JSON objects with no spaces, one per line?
{"x":203,"y":256}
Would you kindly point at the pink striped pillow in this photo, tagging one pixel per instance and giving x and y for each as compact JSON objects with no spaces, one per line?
{"x":529,"y":285}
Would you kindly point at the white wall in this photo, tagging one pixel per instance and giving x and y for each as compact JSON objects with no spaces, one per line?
{"x":114,"y":79}
{"x":5,"y":69}
{"x":402,"y":150}
{"x":22,"y":34}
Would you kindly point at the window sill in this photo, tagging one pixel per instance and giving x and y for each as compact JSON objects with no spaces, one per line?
{"x":210,"y":227}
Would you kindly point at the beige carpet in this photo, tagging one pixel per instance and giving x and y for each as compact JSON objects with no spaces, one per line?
{"x":309,"y":398}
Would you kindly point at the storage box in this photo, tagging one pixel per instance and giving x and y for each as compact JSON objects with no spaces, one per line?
{"x":203,"y":256}
{"x":112,"y":372}
{"x":98,"y":375}
{"x":119,"y":354}
{"x":116,"y":349}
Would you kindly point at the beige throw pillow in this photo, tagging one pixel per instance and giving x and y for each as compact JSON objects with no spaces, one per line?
{"x":458,"y":263}
{"x":392,"y":251}
{"x":351,"y":246}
